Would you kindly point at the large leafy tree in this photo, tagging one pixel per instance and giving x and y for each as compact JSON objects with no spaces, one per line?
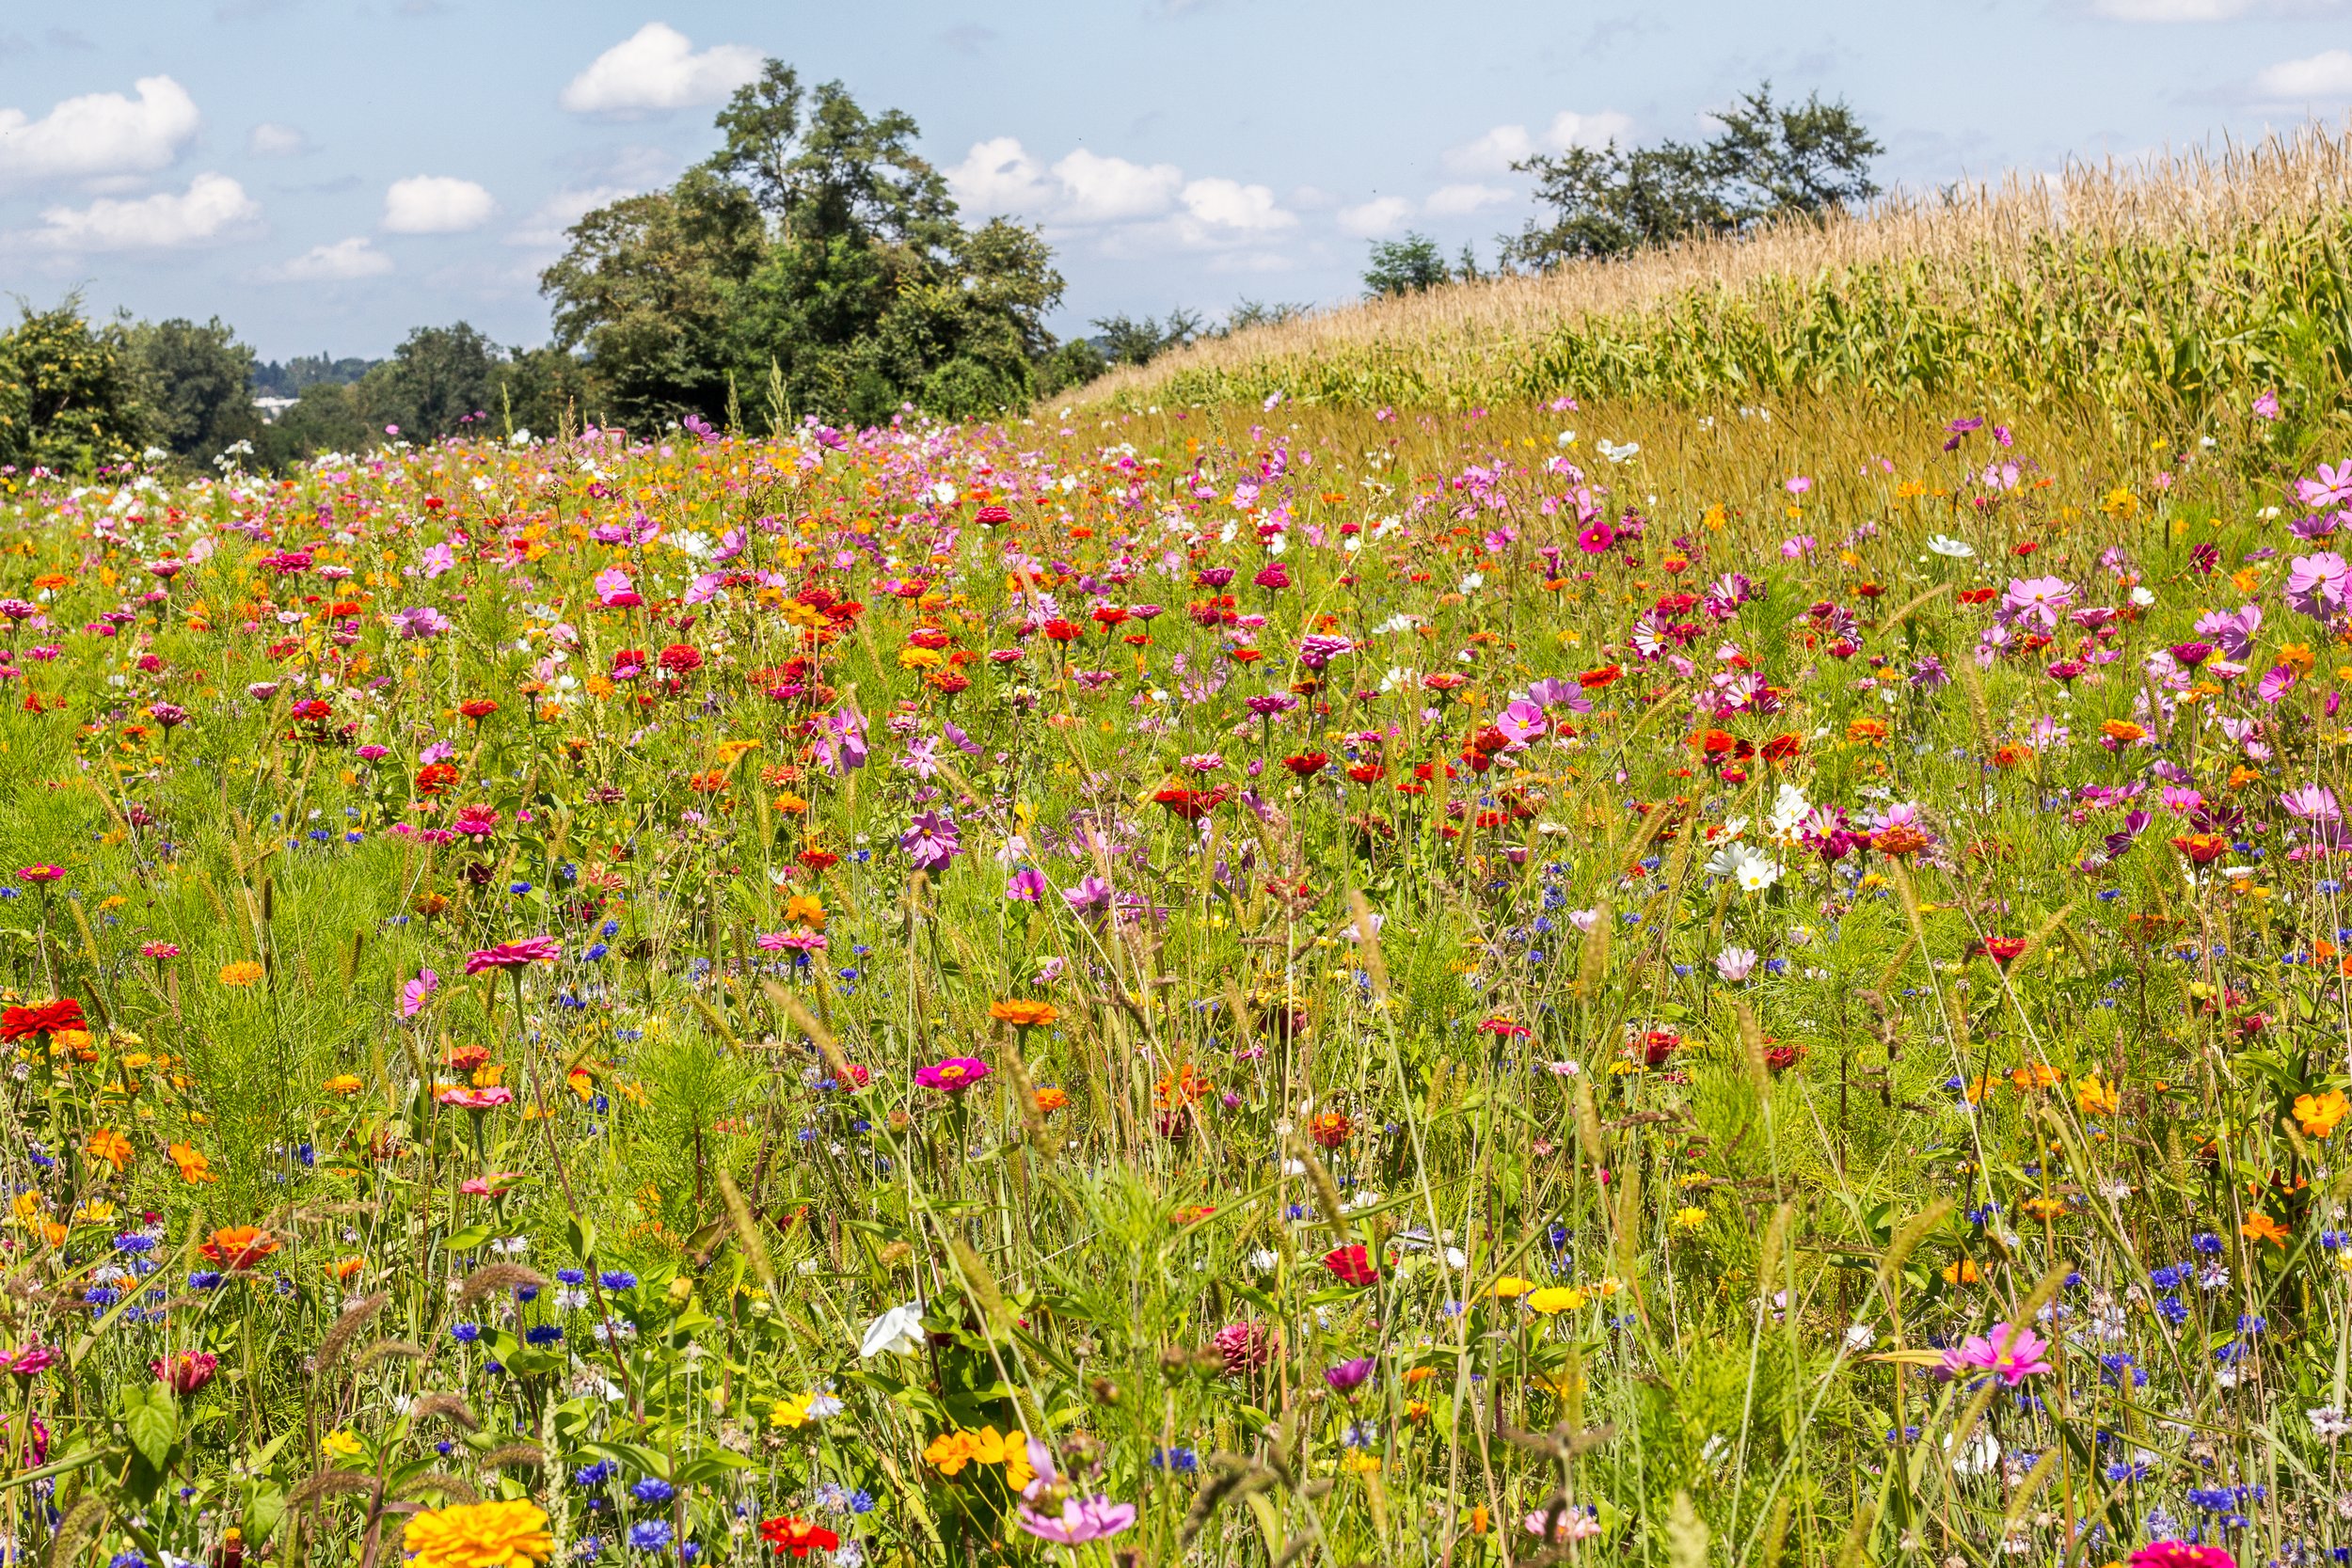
{"x":68,"y":391}
{"x":812,"y":264}
{"x":195,"y":384}
{"x":1766,"y":161}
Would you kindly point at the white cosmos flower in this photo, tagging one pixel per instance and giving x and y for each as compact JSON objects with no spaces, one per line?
{"x":1953,"y":548}
{"x":1789,"y":809}
{"x":900,"y":1330}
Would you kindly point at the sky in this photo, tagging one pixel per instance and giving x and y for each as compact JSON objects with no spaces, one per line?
{"x":325,"y":175}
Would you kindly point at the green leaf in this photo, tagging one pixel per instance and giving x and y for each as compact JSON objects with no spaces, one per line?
{"x":467,"y":1239}
{"x":152,"y":1421}
{"x":579,"y":1232}
{"x":262,"y":1513}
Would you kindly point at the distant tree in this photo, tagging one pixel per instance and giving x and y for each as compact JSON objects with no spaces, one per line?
{"x":1767,"y":161}
{"x":1139,"y":340}
{"x":1070,"y":364}
{"x":195,"y":383}
{"x":1405,"y":266}
{"x":288,"y":380}
{"x":68,"y":391}
{"x":441,"y":381}
{"x":328,"y":417}
{"x":1247,"y":313}
{"x":815,"y":261}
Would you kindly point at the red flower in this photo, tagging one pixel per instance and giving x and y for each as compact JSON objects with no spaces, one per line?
{"x":47,"y":1018}
{"x":1976,"y":595}
{"x":477,"y":707}
{"x":1306,"y":764}
{"x":1781,"y":748}
{"x":787,"y":1534}
{"x":1060,"y":631}
{"x":992,"y":517}
{"x":435,"y":778}
{"x":1366,"y":772}
{"x":1658,"y":1045}
{"x":1352,"y":1265}
{"x":681,"y":659}
{"x":2001,"y":950}
{"x":1503,"y":1028}
{"x":1593,"y":680}
{"x":1188,"y":805}
{"x":819,"y":860}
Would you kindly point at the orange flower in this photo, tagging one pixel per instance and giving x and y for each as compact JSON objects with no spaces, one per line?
{"x":240,"y":974}
{"x":2122,"y":731}
{"x":239,"y":1247}
{"x":110,"y":1146}
{"x":1050,"y":1100}
{"x":1023,"y":1013}
{"x":2319,"y":1113}
{"x":194,"y":1169}
{"x":2260,"y":1226}
{"x":346,"y":1268}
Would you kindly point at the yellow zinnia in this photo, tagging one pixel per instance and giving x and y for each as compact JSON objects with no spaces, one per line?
{"x":245,"y":972}
{"x":480,"y":1535}
{"x":1553,"y":1299}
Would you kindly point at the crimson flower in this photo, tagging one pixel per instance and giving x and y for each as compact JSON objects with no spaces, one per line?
{"x":44,"y":1018}
{"x":1352,"y":1265}
{"x":516,"y":955}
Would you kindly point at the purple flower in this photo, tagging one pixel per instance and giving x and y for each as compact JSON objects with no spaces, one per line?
{"x":931,"y":841}
{"x":1315,"y":650}
{"x":1027,"y":885}
{"x":418,"y":622}
{"x":1092,"y":894}
{"x":1081,"y":1519}
{"x":417,"y":993}
{"x":2038,"y":599}
{"x":2318,"y":585}
{"x":1348,"y":1375}
{"x":840,"y":741}
{"x":2233,"y":633}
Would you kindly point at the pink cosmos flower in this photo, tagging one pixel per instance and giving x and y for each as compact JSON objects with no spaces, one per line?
{"x":2318,"y":585}
{"x":2014,"y":1354}
{"x":462,"y":1098}
{"x":417,"y":993}
{"x":2036,"y":599}
{"x":2180,"y":1554}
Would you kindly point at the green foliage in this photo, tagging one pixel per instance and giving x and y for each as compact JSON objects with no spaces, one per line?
{"x":1769,"y":161}
{"x":816,"y":250}
{"x":194,"y":386}
{"x":68,"y":391}
{"x":1408,"y":266}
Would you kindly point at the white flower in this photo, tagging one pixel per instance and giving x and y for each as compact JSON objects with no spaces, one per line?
{"x":2328,"y":1422}
{"x":1616,"y":454}
{"x":1565,"y":438}
{"x":2142,"y":597}
{"x":1748,"y":868}
{"x":900,"y":1329}
{"x":944,"y":493}
{"x":1954,"y":548}
{"x":1789,"y":809}
{"x":1473,"y":582}
{"x":1265,"y":1260}
{"x":1860,"y":1337}
{"x":1976,"y":1457}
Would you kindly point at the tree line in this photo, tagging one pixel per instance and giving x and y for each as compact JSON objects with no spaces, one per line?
{"x":815,"y":264}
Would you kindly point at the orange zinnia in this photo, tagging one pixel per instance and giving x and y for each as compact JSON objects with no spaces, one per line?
{"x":1023,"y":1013}
{"x":239,"y":1247}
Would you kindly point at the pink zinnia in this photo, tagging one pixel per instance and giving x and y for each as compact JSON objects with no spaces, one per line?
{"x":476,"y":1100}
{"x":2014,"y":1354}
{"x":954,"y":1075}
{"x":516,"y":955}
{"x":2180,"y":1554}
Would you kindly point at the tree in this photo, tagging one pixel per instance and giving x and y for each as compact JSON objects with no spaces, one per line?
{"x":1247,"y":313}
{"x":814,"y":261}
{"x":1768,"y":162}
{"x":68,"y":391}
{"x":1138,"y":340}
{"x":441,"y":381}
{"x":1405,"y":266}
{"x":195,"y":383}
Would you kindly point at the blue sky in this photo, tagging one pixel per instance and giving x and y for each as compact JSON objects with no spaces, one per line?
{"x":325,"y":174}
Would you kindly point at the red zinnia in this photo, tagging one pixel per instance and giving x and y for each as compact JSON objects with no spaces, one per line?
{"x":1060,"y":631}
{"x":1188,"y":805}
{"x":1307,"y":764}
{"x":1781,"y":748}
{"x":1593,"y":680}
{"x":46,"y":1018}
{"x":787,"y":1534}
{"x":1352,"y":1265}
{"x":681,"y":659}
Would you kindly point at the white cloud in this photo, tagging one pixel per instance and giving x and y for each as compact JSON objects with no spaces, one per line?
{"x":1382,"y":216}
{"x":277,"y":141}
{"x":543,"y":229}
{"x":2169,"y":11}
{"x":435,"y":204}
{"x":1000,"y":176}
{"x":99,"y":134}
{"x":2325,"y":75}
{"x":1097,"y":189}
{"x":1506,"y":144}
{"x":1229,"y":204}
{"x":1454,"y":200}
{"x":657,"y":68}
{"x":213,"y":207}
{"x":339,"y":262}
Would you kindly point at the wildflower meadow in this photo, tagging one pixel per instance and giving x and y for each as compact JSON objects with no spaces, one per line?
{"x":1277,"y":985}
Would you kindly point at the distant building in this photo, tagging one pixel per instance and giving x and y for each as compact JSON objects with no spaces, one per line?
{"x":272,"y":407}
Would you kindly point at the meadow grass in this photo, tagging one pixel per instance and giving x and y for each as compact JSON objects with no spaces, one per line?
{"x":1606,"y":1046}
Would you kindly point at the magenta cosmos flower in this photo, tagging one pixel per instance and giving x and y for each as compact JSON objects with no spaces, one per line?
{"x":516,"y":955}
{"x":2318,"y":585}
{"x":2014,"y":1359}
{"x":953,"y":1075}
{"x":2180,"y":1554}
{"x":932,"y":840}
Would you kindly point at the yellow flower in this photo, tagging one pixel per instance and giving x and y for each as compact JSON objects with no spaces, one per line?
{"x":241,"y":974}
{"x":1688,"y":1219}
{"x":1510,"y":1287}
{"x":342,"y":1083}
{"x":1360,"y":1461}
{"x":1554,"y":1299}
{"x":2096,"y":1099}
{"x":480,"y":1535}
{"x":791,"y":1411}
{"x":804,"y":911}
{"x":2319,"y":1113}
{"x":343,"y":1444}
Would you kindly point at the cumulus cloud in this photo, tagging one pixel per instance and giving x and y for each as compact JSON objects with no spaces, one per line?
{"x":544,"y":228}
{"x":2324,"y":76}
{"x":213,"y":207}
{"x":1455,"y":200}
{"x":1000,"y":176}
{"x":657,"y":68}
{"x":275,"y":141}
{"x":99,"y":134}
{"x":339,"y":262}
{"x":1230,"y":205}
{"x":1506,"y":144}
{"x":1381,"y":215}
{"x":435,"y":204}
